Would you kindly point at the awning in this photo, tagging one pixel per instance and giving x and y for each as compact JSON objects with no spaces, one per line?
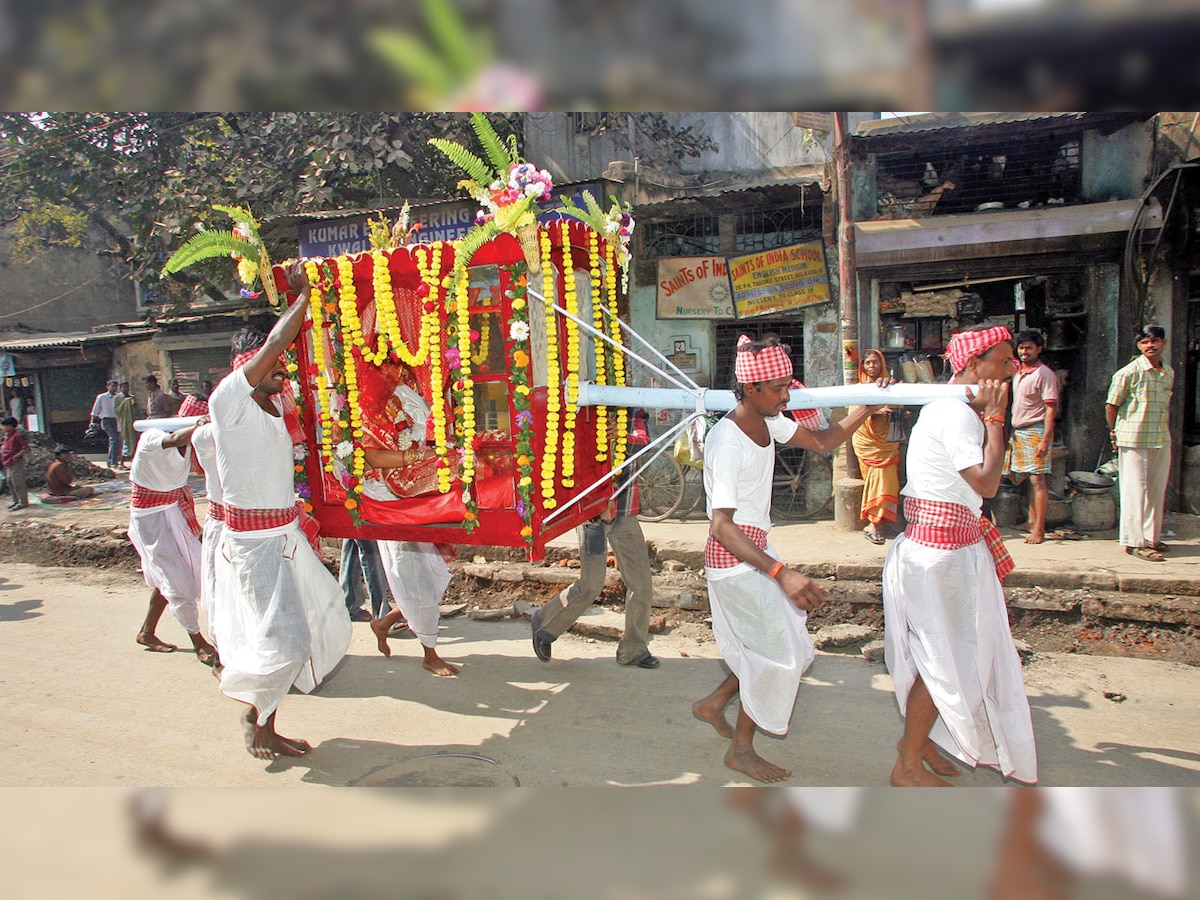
{"x":1090,"y":226}
{"x":52,"y":340}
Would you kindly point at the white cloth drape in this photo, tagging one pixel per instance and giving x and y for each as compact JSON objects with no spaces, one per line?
{"x":764,"y":639}
{"x":170,"y":559}
{"x":418,"y":577}
{"x":281,"y":622}
{"x":945,"y":620}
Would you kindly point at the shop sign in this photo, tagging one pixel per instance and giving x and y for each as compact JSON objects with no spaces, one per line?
{"x":694,"y":287}
{"x":778,"y":280}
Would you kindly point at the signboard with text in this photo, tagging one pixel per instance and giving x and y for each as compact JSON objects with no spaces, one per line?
{"x":694,"y":287}
{"x":778,"y":280}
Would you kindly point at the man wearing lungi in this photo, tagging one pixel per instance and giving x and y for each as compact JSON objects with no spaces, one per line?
{"x":204,"y":448}
{"x":164,"y":531}
{"x":282,"y":620}
{"x":759,"y":606}
{"x":1034,"y":410}
{"x":956,"y":672}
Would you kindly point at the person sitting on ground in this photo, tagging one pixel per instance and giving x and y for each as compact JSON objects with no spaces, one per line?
{"x":58,"y":477}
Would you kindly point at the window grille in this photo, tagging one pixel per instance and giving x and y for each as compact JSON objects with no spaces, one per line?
{"x":765,"y":229}
{"x":695,"y":236}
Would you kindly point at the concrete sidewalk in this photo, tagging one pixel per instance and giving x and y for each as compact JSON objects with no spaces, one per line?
{"x":1097,"y":562}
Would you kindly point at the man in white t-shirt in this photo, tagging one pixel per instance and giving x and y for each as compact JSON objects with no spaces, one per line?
{"x":281,"y":620}
{"x":164,"y":531}
{"x":759,"y":606}
{"x":956,"y":673}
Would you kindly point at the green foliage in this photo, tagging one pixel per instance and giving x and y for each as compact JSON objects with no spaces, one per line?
{"x":500,"y":156}
{"x":475,"y":167}
{"x":46,"y":225}
{"x":209,"y":245}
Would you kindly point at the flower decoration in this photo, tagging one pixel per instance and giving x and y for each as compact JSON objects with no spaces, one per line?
{"x":616,"y":226}
{"x":571,"y":305}
{"x":520,"y":378}
{"x":242,"y":243}
{"x":553,"y":379}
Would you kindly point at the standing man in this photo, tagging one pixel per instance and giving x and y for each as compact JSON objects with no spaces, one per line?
{"x":126,"y":413}
{"x":13,"y":451}
{"x":948,"y":648}
{"x":418,"y":576}
{"x":1034,"y":410}
{"x":1137,"y":408}
{"x":158,"y":404}
{"x":175,"y":395}
{"x":104,"y":412}
{"x":164,"y":531}
{"x":759,"y":606}
{"x":58,"y":477}
{"x":620,"y":528}
{"x":282,"y":620}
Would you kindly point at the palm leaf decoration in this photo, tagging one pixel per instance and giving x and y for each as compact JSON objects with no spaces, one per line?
{"x":475,"y":167}
{"x":593,"y":216}
{"x":208,"y":244}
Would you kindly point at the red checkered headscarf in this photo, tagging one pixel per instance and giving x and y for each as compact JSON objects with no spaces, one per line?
{"x":966,"y":345}
{"x":285,"y":402}
{"x":768,"y":364}
{"x":192,"y":406}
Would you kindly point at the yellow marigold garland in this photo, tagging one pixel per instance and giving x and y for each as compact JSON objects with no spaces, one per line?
{"x":465,"y":384}
{"x":571,"y":305}
{"x":618,"y":356}
{"x":430,"y":270}
{"x":598,"y":342}
{"x":553,"y":378}
{"x":324,"y":423}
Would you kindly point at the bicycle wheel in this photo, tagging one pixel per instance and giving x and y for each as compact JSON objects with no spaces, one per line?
{"x":803,"y":484}
{"x":660,"y":488}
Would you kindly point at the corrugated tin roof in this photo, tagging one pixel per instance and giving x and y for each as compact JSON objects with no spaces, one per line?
{"x":52,"y":339}
{"x":738,"y":182}
{"x":935,"y":121}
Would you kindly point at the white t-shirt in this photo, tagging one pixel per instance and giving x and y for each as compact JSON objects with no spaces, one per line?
{"x":204,"y":444}
{"x":947,"y":438}
{"x":254,"y":449}
{"x":738,"y":473}
{"x":158,"y":468}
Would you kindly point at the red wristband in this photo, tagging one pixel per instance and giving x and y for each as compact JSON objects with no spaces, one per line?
{"x":775,"y":570}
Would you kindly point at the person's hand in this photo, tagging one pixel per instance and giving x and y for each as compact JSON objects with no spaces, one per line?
{"x":297,"y":278}
{"x":805,"y":593}
{"x":884,"y":381}
{"x":1042,"y":449}
{"x":991,"y":398}
{"x":203,"y":420}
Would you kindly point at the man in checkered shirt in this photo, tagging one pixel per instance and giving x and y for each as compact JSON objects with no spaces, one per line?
{"x":759,"y":606}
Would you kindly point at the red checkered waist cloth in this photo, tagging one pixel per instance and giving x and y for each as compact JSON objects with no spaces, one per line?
{"x":144,"y":498}
{"x":952,"y":526}
{"x":216,"y":510}
{"x":716,"y":556}
{"x":237,"y":519}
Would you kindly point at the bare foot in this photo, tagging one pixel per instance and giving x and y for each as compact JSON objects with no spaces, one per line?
{"x":714,"y":717}
{"x":915,"y":776}
{"x":750,"y":763}
{"x":1035,"y":537}
{"x":299,"y":745}
{"x":938,"y":763}
{"x":208,"y":656}
{"x":438,"y":666}
{"x":263,"y":743}
{"x":381,"y":632}
{"x":152,"y":643}
{"x":1024,"y":526}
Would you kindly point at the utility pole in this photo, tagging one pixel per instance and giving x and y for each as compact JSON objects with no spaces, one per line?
{"x":847,"y":486}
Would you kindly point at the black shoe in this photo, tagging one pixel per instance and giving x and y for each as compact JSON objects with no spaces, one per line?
{"x":645,"y":661}
{"x":542,"y":642}
{"x":359,"y":615}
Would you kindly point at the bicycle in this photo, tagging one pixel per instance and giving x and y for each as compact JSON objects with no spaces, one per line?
{"x":802,"y":487}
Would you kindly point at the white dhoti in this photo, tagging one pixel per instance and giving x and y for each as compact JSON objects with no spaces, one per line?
{"x":281,"y":620}
{"x":764,"y":639}
{"x":210,"y":541}
{"x":418,"y":576}
{"x":170,"y":556}
{"x":945,"y":620}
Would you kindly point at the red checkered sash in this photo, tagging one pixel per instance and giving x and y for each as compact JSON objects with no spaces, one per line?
{"x":216,"y":510}
{"x":717,"y":557}
{"x":237,"y":519}
{"x":952,"y":526}
{"x":259,"y":519}
{"x":144,"y":498}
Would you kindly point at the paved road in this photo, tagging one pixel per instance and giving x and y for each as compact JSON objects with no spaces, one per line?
{"x":82,"y":705}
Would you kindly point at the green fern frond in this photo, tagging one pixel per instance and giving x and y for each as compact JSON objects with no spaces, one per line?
{"x":466,"y":247}
{"x":465,"y":160}
{"x":208,"y":245}
{"x":238,"y":214}
{"x":593,"y":205}
{"x":592,"y":217}
{"x":496,"y":152}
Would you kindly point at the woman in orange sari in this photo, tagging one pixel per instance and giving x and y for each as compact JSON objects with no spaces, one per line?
{"x":878,"y":457}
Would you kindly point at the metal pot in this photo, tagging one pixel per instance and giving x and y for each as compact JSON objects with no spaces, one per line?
{"x":1089,"y":482}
